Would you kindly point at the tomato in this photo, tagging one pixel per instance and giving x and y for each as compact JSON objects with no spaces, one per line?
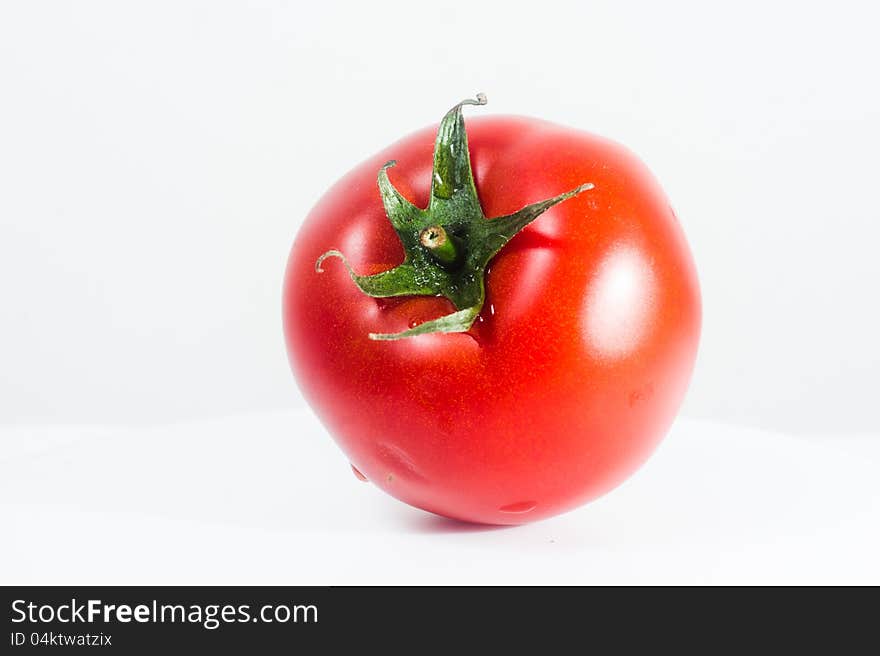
{"x":572,"y":363}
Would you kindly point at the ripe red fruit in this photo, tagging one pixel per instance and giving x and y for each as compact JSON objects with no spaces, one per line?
{"x":499,"y":369}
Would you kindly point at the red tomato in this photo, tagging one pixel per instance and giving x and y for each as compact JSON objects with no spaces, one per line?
{"x":573,"y":370}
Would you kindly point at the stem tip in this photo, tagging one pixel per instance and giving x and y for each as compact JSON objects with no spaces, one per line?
{"x":433,"y":237}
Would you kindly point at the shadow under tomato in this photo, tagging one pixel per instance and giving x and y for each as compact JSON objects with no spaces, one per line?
{"x":427,"y":523}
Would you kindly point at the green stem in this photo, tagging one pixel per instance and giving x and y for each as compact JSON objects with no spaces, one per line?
{"x":448,"y":245}
{"x":439,"y":244}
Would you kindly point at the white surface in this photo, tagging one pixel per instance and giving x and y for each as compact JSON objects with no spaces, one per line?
{"x":263,"y":499}
{"x":156,"y":159}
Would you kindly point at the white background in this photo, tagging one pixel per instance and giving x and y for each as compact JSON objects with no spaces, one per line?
{"x":157,"y":158}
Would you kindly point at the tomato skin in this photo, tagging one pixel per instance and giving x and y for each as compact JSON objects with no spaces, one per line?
{"x":574,"y":370}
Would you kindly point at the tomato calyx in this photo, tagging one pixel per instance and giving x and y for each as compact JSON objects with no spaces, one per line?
{"x":449,"y":244}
